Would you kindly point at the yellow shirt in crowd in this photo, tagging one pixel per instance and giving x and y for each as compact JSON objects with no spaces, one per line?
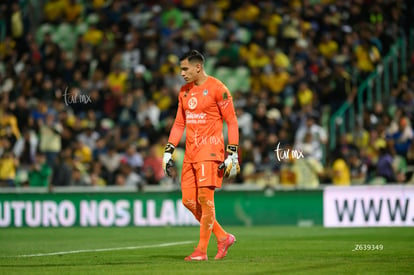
{"x":341,"y":174}
{"x":367,"y":58}
{"x":276,"y":82}
{"x":7,"y":168}
{"x":117,"y":81}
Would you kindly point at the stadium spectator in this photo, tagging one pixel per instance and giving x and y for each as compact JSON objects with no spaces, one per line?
{"x":318,"y":134}
{"x":131,"y":56}
{"x":340,"y":173}
{"x":50,"y":138}
{"x":344,"y":88}
{"x":228,"y":55}
{"x":53,"y":11}
{"x":82,"y":152}
{"x":89,"y":136}
{"x":153,"y":165}
{"x":17,"y":26}
{"x":245,"y":122}
{"x":97,"y":175}
{"x":128,"y":177}
{"x":384,"y":169}
{"x":328,"y":47}
{"x":40,"y":172}
{"x":8,"y":168}
{"x":410,"y":154}
{"x":133,"y":158}
{"x":138,"y":80}
{"x":117,"y":81}
{"x":358,"y":169}
{"x":73,"y":11}
{"x":287,"y":173}
{"x":21,"y":111}
{"x":25,"y":148}
{"x":308,"y":171}
{"x":305,"y":96}
{"x":403,"y":137}
{"x":111,"y":161}
{"x":80,"y":176}
{"x":62,"y":169}
{"x":399,"y":166}
{"x":9,"y":126}
{"x":367,"y":57}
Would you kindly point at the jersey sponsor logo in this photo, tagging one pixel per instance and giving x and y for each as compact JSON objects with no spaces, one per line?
{"x":195,"y":118}
{"x":191,"y":115}
{"x":192,"y":103}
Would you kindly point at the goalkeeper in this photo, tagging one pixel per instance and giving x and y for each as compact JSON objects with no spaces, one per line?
{"x":203,"y":103}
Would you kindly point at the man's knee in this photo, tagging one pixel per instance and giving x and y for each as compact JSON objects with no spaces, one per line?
{"x":205,"y":193}
{"x":192,"y":206}
{"x":187,"y":203}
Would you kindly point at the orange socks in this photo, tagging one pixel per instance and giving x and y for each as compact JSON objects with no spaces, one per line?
{"x":204,"y":210}
{"x":208,"y":216}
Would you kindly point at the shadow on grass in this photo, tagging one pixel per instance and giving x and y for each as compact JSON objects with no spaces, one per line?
{"x":70,"y":265}
{"x":142,"y":261}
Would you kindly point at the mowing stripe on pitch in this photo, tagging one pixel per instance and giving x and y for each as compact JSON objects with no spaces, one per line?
{"x":103,"y":249}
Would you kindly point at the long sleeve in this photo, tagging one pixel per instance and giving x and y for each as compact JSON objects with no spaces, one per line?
{"x":178,"y":127}
{"x":229,"y":115}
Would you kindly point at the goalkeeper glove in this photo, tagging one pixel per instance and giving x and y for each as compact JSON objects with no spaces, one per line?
{"x":167,"y":162}
{"x":231,"y":163}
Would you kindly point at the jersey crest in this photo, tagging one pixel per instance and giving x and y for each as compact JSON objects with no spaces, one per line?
{"x":192,"y":103}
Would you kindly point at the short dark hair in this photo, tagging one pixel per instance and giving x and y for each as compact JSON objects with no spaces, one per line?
{"x":193,"y":55}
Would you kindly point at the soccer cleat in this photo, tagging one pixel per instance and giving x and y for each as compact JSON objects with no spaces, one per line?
{"x":223,"y":246}
{"x":197,"y":255}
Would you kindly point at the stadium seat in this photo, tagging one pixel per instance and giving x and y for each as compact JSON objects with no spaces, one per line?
{"x":209,"y":65}
{"x":65,"y":37}
{"x":92,"y":68}
{"x":223,"y":72}
{"x":242,"y":72}
{"x":148,"y":75}
{"x":232,"y":83}
{"x":186,"y":15}
{"x":81,"y":28}
{"x":42,"y":30}
{"x":92,"y":18}
{"x":243,"y":35}
{"x":243,"y":78}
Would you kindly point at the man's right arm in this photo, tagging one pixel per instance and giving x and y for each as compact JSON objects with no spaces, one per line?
{"x":176,"y":133}
{"x":178,"y":127}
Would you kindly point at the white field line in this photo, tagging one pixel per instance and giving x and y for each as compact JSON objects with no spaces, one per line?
{"x":101,"y":250}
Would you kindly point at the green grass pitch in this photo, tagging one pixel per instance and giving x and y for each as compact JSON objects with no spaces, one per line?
{"x":161,"y":250}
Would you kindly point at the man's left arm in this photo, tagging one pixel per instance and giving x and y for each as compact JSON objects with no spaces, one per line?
{"x":231,"y":164}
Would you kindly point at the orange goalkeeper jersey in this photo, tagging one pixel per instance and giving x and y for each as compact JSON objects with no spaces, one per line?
{"x":201,"y":111}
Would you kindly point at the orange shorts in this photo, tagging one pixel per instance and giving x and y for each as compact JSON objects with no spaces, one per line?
{"x":201,"y":174}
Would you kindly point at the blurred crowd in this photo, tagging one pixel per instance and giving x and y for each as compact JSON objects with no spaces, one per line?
{"x":88,"y":89}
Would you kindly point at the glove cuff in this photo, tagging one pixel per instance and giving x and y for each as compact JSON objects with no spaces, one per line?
{"x":232,"y":148}
{"x":169,"y":148}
